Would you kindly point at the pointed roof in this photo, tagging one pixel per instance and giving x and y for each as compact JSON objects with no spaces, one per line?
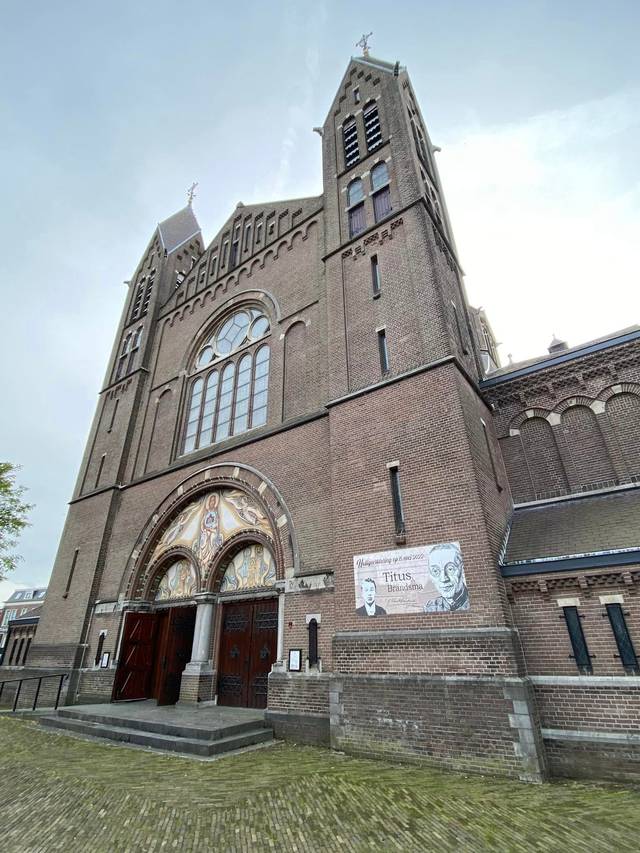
{"x":179,"y":228}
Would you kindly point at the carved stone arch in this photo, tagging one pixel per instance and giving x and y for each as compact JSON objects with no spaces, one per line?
{"x":620,"y":388}
{"x":283,"y":244}
{"x":578,"y":400}
{"x":213,"y":574}
{"x":255,"y":264}
{"x":215,"y":477}
{"x":519,"y":419}
{"x":149,"y":582}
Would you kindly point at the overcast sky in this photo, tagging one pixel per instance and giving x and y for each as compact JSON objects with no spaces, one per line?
{"x":109,"y":111}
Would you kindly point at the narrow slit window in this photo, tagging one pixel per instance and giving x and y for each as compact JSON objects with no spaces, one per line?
{"x":626,"y":650}
{"x":258,"y":232}
{"x":100,"y":467}
{"x":99,"y":647}
{"x":247,"y":237}
{"x":313,"y":642}
{"x":113,"y":414}
{"x":356,"y":95}
{"x":383,"y":351}
{"x":376,"y":284}
{"x":71,"y":571}
{"x":233,"y":260}
{"x":225,"y":246}
{"x":491,"y":458}
{"x":581,"y":653}
{"x":396,"y":496}
{"x":26,"y":650}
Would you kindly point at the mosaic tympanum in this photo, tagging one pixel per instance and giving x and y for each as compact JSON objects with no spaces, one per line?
{"x":179,"y":581}
{"x":205,"y":524}
{"x":251,"y":567}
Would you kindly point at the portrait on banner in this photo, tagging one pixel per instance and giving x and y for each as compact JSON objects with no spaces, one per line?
{"x":428,"y":579}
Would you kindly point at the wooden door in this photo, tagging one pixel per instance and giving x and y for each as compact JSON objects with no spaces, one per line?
{"x":235,"y":647}
{"x":133,"y":677}
{"x":175,"y":653}
{"x":248,"y":645}
{"x":264,"y":644}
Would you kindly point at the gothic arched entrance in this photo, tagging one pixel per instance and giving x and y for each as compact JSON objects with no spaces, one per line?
{"x":203,"y":592}
{"x":157,"y":642}
{"x":247,"y":646}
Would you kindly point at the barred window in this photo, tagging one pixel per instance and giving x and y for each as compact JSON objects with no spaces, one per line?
{"x":228,"y":394}
{"x":372,"y":130}
{"x":350,"y":141}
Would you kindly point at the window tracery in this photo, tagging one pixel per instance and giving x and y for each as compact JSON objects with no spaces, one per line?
{"x":229,"y":393}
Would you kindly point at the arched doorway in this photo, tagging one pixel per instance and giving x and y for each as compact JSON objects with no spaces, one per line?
{"x":234,"y":534}
{"x":156,"y":643}
{"x":247,"y":649}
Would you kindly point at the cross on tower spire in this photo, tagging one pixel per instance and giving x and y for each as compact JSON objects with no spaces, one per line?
{"x":191,"y":193}
{"x":364,"y":44}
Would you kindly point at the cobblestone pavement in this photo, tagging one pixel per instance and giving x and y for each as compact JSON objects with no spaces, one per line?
{"x":64,"y":793}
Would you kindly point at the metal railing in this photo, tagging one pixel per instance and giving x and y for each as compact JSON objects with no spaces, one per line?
{"x":39,"y":678}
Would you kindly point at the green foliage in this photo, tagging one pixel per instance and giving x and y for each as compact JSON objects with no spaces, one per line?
{"x":13,"y":516}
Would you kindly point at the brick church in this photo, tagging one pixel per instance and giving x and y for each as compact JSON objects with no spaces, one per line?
{"x":309,"y":486}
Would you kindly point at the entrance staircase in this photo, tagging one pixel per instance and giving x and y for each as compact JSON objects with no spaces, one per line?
{"x":202,"y":731}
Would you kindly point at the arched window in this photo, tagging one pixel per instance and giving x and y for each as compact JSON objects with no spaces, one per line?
{"x":228,"y":394}
{"x":260,"y":388}
{"x":355,"y":201}
{"x":350,"y":141}
{"x":379,"y":176}
{"x":355,"y":192}
{"x":191,"y":432}
{"x":381,"y":191}
{"x":223,"y":429}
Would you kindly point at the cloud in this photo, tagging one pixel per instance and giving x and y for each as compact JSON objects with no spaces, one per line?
{"x":546,"y":215}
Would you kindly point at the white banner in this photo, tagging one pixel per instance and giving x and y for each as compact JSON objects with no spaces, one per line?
{"x":429,"y":579}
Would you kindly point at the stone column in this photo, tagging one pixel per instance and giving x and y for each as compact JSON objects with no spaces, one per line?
{"x":279,"y":665}
{"x":199,"y":677}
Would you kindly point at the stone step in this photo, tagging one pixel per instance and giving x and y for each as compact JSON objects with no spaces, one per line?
{"x":156,"y":740}
{"x":162,"y":727}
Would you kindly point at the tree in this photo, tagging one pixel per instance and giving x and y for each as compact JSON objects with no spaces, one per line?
{"x":13,"y":516}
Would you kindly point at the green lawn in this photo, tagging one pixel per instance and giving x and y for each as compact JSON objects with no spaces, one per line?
{"x":63,"y":793}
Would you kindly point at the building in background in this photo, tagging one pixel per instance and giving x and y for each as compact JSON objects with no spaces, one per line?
{"x":19,"y":604}
{"x":309,"y":486}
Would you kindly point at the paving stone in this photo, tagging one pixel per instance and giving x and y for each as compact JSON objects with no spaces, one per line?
{"x":64,"y":793}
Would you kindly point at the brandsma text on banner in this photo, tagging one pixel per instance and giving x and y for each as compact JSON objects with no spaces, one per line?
{"x":429,"y":579}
